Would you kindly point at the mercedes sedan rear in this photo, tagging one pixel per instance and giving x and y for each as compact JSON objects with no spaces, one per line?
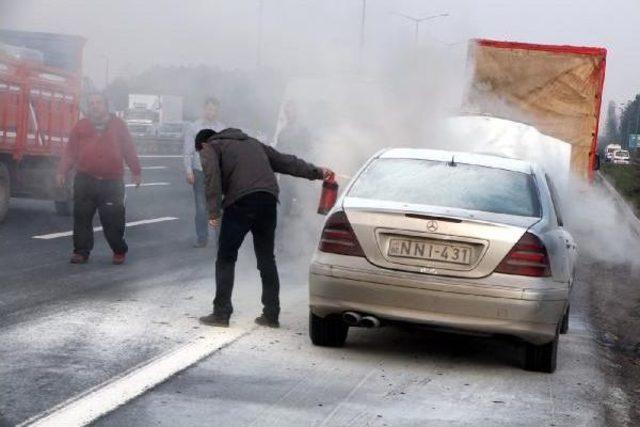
{"x":460,"y":241}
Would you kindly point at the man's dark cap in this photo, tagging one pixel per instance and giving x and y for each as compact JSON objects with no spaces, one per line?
{"x":202,"y":137}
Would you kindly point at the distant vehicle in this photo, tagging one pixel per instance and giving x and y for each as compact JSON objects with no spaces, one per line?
{"x":482,"y":249}
{"x":40,"y":86}
{"x":610,"y":150}
{"x":142,"y":115}
{"x":620,"y":157}
{"x":171,"y":131}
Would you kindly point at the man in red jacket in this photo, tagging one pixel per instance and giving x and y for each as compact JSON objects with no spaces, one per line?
{"x":98,"y":146}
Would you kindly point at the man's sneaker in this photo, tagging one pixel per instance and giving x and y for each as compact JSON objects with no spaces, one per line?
{"x":263,"y":320}
{"x":118,"y":259}
{"x":215,"y":320}
{"x":200,"y":244}
{"x":78,"y":259}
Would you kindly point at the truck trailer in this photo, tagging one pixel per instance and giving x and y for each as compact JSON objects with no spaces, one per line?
{"x":40,"y":88}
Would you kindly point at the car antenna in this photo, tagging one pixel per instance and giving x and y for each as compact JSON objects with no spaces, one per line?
{"x":453,"y":161}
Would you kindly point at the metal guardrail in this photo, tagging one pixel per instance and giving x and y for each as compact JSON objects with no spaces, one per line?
{"x":158,"y":145}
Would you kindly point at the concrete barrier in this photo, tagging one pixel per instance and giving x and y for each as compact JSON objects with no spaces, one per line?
{"x":623,"y":205}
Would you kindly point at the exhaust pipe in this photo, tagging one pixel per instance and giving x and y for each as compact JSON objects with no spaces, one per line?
{"x":351,"y":318}
{"x":370,"y":322}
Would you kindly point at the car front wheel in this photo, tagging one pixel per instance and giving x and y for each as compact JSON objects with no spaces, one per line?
{"x":542,"y":358}
{"x":328,"y":331}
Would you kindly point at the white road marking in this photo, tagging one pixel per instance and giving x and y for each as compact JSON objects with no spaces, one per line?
{"x":88,"y":406}
{"x":150,"y":184}
{"x":160,"y":156}
{"x":128,"y":224}
{"x":153,"y":167}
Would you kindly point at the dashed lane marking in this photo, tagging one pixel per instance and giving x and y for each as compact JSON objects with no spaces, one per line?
{"x":149,"y":184}
{"x":98,"y":401}
{"x":153,"y":167}
{"x":128,"y":224}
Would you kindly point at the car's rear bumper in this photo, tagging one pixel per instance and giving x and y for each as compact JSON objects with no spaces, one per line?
{"x":529,"y":314}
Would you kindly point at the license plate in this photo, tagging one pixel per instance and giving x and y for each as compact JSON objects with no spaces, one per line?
{"x":431,"y":251}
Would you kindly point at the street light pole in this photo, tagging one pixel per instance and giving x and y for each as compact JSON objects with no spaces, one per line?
{"x":259,"y":48}
{"x":106,"y":70}
{"x":417,"y":21}
{"x":362,"y":22}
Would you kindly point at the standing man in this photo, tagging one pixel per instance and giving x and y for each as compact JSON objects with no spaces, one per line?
{"x":193,"y":166}
{"x":243,"y":169}
{"x":97,"y":148}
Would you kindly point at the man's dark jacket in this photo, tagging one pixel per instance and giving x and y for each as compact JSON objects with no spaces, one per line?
{"x":235,"y":165}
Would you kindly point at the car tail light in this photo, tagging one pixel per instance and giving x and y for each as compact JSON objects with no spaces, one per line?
{"x":338,"y":237}
{"x":527,"y":258}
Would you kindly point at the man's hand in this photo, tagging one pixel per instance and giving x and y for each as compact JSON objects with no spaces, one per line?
{"x":60,"y":179}
{"x":190,"y":178}
{"x":328,"y":174}
{"x":137,"y":180}
{"x":214,"y":222}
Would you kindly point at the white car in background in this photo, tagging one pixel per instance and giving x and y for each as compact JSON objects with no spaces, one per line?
{"x":620,"y":157}
{"x":452,"y":240}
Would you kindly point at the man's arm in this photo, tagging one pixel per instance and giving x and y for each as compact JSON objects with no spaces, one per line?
{"x":291,"y":165}
{"x":68,"y":159}
{"x":130,"y":154}
{"x":212,"y":179}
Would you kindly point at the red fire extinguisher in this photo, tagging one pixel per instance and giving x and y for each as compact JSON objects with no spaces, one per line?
{"x":328,"y":196}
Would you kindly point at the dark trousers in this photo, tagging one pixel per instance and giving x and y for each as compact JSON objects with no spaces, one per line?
{"x":255,"y":213}
{"x":105,"y":196}
{"x":202,"y":215}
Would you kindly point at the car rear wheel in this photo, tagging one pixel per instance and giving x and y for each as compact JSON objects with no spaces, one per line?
{"x":564,"y":325}
{"x":542,"y":358}
{"x":328,"y":331}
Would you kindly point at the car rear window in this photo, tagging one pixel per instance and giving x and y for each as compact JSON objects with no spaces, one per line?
{"x":437,"y":183}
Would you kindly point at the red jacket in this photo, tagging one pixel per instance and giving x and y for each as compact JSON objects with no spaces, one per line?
{"x":100,"y":154}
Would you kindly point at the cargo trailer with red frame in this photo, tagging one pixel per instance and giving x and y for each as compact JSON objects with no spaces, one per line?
{"x":555,"y":88}
{"x":40,"y":87}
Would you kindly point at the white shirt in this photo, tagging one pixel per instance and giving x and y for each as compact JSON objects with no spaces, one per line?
{"x":190,"y":156}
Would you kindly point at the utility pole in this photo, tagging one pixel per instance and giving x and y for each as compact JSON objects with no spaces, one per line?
{"x":417,"y":21}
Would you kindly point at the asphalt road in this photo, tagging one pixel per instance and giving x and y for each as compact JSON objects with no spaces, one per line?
{"x":67,"y":328}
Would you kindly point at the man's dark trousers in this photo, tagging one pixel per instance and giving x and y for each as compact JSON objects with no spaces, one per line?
{"x":107,"y":197}
{"x":257,"y":213}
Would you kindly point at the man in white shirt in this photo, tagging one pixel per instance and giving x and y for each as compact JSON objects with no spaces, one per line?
{"x":193,"y":167}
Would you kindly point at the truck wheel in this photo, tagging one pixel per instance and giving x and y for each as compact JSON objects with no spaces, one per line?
{"x":564,"y":324}
{"x":328,"y":331}
{"x":541,"y":358}
{"x":63,"y":207}
{"x":5,"y":191}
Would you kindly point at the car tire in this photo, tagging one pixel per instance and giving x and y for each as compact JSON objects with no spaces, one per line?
{"x":328,"y":331}
{"x":63,"y":207}
{"x":542,"y":358}
{"x":564,"y":324}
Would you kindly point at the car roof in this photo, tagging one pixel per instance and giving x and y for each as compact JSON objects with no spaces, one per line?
{"x":486,"y":160}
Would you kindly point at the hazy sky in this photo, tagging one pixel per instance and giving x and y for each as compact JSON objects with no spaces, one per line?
{"x":300,"y":34}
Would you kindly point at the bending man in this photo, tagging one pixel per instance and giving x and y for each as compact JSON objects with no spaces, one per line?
{"x":243,"y":169}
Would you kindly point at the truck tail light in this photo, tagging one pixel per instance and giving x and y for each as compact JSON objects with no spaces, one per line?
{"x":338,"y":237}
{"x":527,"y":258}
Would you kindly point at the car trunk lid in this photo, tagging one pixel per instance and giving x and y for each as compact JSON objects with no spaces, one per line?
{"x":431,"y":239}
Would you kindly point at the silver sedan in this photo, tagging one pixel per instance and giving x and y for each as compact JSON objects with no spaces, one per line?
{"x":460,"y":241}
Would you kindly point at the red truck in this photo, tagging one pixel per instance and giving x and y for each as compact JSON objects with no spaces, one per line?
{"x":40,"y":87}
